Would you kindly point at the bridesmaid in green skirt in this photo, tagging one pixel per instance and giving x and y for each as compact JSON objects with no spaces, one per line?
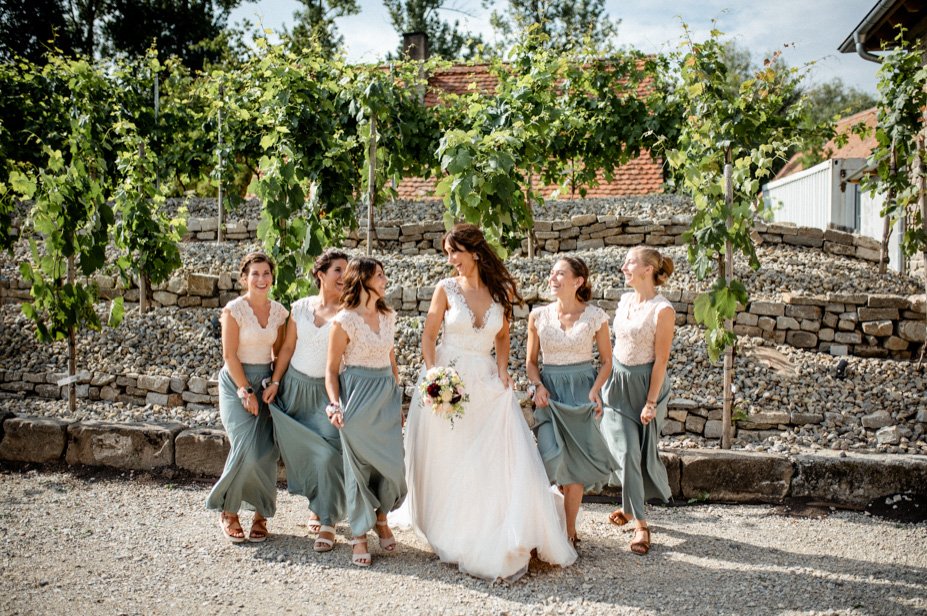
{"x":366,"y":404}
{"x":636,"y":395}
{"x":567,"y":391}
{"x":252,"y":328}
{"x":309,"y":444}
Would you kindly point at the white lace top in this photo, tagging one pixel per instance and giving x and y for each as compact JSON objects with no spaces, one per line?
{"x":255,"y":343}
{"x":311,"y":341}
{"x":574,"y":346}
{"x":365,"y":348}
{"x":460,"y":330}
{"x":635,"y":329}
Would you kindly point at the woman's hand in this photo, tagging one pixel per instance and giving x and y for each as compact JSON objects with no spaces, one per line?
{"x":250,"y":402}
{"x":541,"y":396}
{"x":270,"y":392}
{"x":337,"y":419}
{"x":506,"y":379}
{"x":649,"y":413}
{"x":597,"y":401}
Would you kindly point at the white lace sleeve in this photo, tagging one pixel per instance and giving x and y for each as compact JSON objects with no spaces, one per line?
{"x":278,"y":315}
{"x":237,"y":309}
{"x":597,"y":317}
{"x":345,"y":317}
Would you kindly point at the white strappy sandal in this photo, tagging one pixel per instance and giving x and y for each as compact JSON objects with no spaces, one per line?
{"x":321,"y":543}
{"x":314,"y":525}
{"x":358,"y":559}
{"x":387,"y":543}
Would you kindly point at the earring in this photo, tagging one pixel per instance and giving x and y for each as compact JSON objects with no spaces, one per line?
{"x":476,"y":257}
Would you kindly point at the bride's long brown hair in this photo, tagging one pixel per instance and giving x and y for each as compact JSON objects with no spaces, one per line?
{"x":501,"y":284}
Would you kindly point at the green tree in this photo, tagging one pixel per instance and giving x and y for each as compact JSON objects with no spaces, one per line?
{"x":569,"y":26}
{"x":175,"y":27}
{"x":445,"y":40}
{"x":834,"y":99}
{"x":30,"y":28}
{"x":316,"y":22}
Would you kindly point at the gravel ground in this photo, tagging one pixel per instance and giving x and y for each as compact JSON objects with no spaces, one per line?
{"x":85,"y":542}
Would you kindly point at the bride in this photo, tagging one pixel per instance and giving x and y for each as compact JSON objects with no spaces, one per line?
{"x":478,"y":492}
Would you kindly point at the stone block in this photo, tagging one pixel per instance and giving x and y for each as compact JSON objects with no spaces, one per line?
{"x":918,"y":303}
{"x":894,"y":343}
{"x":201,"y":451}
{"x":867,"y":254}
{"x":913,"y":331}
{"x":627,"y":239}
{"x":178,"y":383}
{"x":583,"y":219}
{"x":673,"y":471}
{"x":589,"y":244}
{"x":889,"y":435}
{"x":877,"y":314}
{"x":826,"y":334}
{"x":848,"y":338}
{"x":99,"y":379}
{"x":768,"y":309}
{"x":808,"y":325}
{"x":33,"y":439}
{"x":134,"y":446}
{"x":713,"y":428}
{"x":552,"y":245}
{"x":803,"y":312}
{"x":746,"y":330}
{"x":735,"y":476}
{"x":671,"y":426}
{"x":746,"y":318}
{"x":799,"y":240}
{"x":801,"y":419}
{"x":679,"y":415}
{"x":877,"y":419}
{"x":839,"y":237}
{"x":158,"y":384}
{"x":838,"y":350}
{"x":109,"y":393}
{"x":695,"y":424}
{"x":802,"y":339}
{"x":766,"y":324}
{"x":922,"y":415}
{"x":197,"y":384}
{"x":560,"y":225}
{"x":164,"y":298}
{"x":203,"y":285}
{"x":765,"y":421}
{"x":48,"y":391}
{"x":786,"y":323}
{"x":881,"y":300}
{"x":169,"y":400}
{"x":857,"y":479}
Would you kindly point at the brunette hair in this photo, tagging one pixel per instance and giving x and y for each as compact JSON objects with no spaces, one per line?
{"x":579,"y":268}
{"x":662,"y":266}
{"x":501,"y":284}
{"x":360,"y":271}
{"x":256,"y":257}
{"x":324,"y":261}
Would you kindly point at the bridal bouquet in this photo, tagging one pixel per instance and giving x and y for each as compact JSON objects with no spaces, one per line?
{"x":444,"y":392}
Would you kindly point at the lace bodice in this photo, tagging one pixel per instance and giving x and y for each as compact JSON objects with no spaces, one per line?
{"x":635,"y":328}
{"x":559,"y":347}
{"x":311,"y":341}
{"x":366,"y":348}
{"x":460,"y":329}
{"x":255,"y":343}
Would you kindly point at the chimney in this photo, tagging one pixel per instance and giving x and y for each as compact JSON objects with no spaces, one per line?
{"x":415,"y":45}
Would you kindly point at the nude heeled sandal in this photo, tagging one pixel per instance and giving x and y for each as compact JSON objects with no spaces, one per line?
{"x":358,"y":559}
{"x":387,"y":543}
{"x":321,"y":543}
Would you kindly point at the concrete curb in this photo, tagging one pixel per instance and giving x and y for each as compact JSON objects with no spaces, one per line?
{"x":729,"y":476}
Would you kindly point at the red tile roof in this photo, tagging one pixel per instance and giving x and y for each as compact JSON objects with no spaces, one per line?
{"x":854,"y":148}
{"x":640,"y":176}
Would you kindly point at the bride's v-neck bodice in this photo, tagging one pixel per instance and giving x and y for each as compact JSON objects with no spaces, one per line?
{"x":460,"y":330}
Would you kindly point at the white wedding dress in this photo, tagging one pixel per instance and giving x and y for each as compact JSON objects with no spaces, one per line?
{"x":478,"y":493}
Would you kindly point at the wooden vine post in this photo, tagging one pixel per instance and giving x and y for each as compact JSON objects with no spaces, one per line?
{"x":371,"y":182}
{"x":72,"y":349}
{"x":922,"y":207}
{"x":887,"y":219}
{"x":728,"y":323}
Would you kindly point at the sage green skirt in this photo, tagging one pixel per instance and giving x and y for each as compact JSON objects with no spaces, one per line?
{"x":249,"y":479}
{"x":569,"y":440}
{"x":625,"y":394}
{"x":374,"y":470}
{"x":309,"y":444}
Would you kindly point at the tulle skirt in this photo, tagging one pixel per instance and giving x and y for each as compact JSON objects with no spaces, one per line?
{"x":478,"y":492}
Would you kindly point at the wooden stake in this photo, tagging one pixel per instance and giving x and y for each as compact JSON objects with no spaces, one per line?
{"x":371,"y":183}
{"x":72,"y":349}
{"x":728,"y":323}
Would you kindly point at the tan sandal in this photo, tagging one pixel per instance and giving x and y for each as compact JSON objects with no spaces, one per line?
{"x":258,"y":530}
{"x":641,"y":546}
{"x":386,"y":543}
{"x":315,"y":524}
{"x":323,"y":544}
{"x":225,"y":524}
{"x":361,"y":560}
{"x":618,"y":517}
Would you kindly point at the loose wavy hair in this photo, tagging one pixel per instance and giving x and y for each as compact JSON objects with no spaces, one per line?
{"x":360,"y":271}
{"x":501,"y":284}
{"x":580,"y":269}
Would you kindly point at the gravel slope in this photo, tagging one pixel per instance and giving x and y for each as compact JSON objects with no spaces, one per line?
{"x":111,"y":544}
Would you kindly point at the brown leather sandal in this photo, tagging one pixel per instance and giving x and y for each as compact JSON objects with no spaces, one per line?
{"x":258,"y":530}
{"x":618,"y":517}
{"x":227,"y":523}
{"x":641,"y":546}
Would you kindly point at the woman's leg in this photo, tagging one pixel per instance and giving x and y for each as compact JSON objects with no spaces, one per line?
{"x":572,"y":500}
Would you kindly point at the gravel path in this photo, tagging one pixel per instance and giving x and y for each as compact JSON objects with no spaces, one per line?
{"x":85,"y":543}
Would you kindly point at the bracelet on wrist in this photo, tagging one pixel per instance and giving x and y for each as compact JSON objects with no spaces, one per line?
{"x":331,"y":409}
{"x":244,"y":392}
{"x":267,"y":382}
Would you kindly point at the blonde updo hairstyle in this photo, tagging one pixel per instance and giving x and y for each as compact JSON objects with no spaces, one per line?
{"x":662,"y":266}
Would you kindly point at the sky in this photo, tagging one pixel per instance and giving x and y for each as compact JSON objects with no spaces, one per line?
{"x":813,"y":29}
